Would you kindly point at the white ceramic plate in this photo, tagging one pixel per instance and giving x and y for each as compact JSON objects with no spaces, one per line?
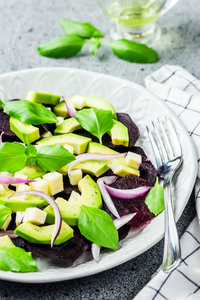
{"x":126,"y":97}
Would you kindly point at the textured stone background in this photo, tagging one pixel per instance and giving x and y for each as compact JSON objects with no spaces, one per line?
{"x":24,"y":24}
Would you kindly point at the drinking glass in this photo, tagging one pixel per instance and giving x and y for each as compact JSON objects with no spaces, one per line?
{"x":135,"y":19}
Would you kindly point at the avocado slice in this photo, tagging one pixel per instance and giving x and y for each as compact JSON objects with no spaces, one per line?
{"x":118,"y":165}
{"x":5,"y":242}
{"x":90,"y":101}
{"x":42,"y":234}
{"x":67,"y":126}
{"x":119,"y":134}
{"x":32,"y":172}
{"x":90,"y":196}
{"x":43,"y":98}
{"x":26,"y":132}
{"x":61,"y":110}
{"x":21,"y":204}
{"x":79,"y":142}
{"x":93,"y":167}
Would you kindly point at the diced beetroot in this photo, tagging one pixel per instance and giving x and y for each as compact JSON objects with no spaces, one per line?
{"x":8,"y":135}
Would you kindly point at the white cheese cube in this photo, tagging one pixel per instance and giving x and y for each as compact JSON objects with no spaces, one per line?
{"x":69,"y":148}
{"x":46,"y":134}
{"x":35,"y":215}
{"x":78,"y":101}
{"x":55,"y":182}
{"x":133,"y":160}
{"x":19,"y":217}
{"x":6,"y":224}
{"x":2,"y":190}
{"x":40,"y":185}
{"x":60,"y":120}
{"x":22,"y":187}
{"x":74,"y":197}
{"x":6,"y":174}
{"x":75,"y":176}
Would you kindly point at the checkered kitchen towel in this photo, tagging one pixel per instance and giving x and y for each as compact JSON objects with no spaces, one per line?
{"x":181,"y":91}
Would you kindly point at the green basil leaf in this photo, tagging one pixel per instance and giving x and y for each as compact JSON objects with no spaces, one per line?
{"x":98,"y":227}
{"x":31,"y":153}
{"x":29,"y":112}
{"x":94,"y":45}
{"x":155,"y":199}
{"x":84,"y":30}
{"x":12,"y":157}
{"x":5,"y":212}
{"x":62,"y":46}
{"x":96,"y":121}
{"x":133,"y":52}
{"x":52,"y":158}
{"x":1,"y":103}
{"x":17,"y":260}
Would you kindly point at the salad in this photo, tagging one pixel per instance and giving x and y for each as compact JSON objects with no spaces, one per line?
{"x":72,"y":180}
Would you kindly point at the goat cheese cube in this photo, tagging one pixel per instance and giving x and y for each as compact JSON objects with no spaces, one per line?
{"x":35,"y":216}
{"x":46,"y":134}
{"x":40,"y":185}
{"x":22,"y":187}
{"x":55,"y":182}
{"x":6,"y":224}
{"x":60,"y":120}
{"x":75,"y":176}
{"x":19,"y":217}
{"x":74,"y":197}
{"x":133,"y":160}
{"x":69,"y":148}
{"x":2,"y":190}
{"x":78,"y":101}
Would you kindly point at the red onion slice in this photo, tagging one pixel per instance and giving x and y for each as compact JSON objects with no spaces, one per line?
{"x":70,"y":109}
{"x":128,"y":194}
{"x":118,"y":224}
{"x":123,"y":220}
{"x":93,"y":156}
{"x":106,"y":197}
{"x":13,"y":180}
{"x":1,"y":135}
{"x":58,"y":219}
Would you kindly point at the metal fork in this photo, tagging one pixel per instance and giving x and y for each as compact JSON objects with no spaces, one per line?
{"x":168,"y":157}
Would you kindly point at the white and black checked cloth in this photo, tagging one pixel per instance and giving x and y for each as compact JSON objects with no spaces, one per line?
{"x":181,"y":91}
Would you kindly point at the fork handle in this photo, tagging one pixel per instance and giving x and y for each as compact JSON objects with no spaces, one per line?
{"x":172,"y":252}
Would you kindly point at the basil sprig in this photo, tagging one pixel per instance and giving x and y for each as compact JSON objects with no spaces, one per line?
{"x":96,"y":121}
{"x":17,"y":260}
{"x":5,"y":212}
{"x":77,"y":34}
{"x":62,"y":46}
{"x":98,"y":227}
{"x":29,"y":112}
{"x":155,"y":199}
{"x":84,"y":30}
{"x":132,"y":51}
{"x":15,"y":156}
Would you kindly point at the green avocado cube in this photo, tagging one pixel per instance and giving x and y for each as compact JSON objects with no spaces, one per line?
{"x":67,"y":126}
{"x":60,"y":110}
{"x":44,"y":98}
{"x":26,"y":133}
{"x":119,"y":134}
{"x":5,"y":242}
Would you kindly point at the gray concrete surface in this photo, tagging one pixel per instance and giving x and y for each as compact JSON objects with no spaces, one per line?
{"x":24,"y":24}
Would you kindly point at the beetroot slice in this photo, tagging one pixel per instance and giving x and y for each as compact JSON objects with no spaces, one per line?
{"x":8,"y":135}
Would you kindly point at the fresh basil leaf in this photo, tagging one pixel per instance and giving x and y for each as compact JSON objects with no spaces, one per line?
{"x":84,"y":30}
{"x":17,"y":260}
{"x":155,"y":199}
{"x":5,"y":212}
{"x":98,"y":227}
{"x":52,"y":158}
{"x":31,"y":153}
{"x":29,"y":112}
{"x":133,"y":52}
{"x":1,"y":103}
{"x":96,"y":121}
{"x":62,"y":46}
{"x":12,"y":157}
{"x":94,"y":45}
